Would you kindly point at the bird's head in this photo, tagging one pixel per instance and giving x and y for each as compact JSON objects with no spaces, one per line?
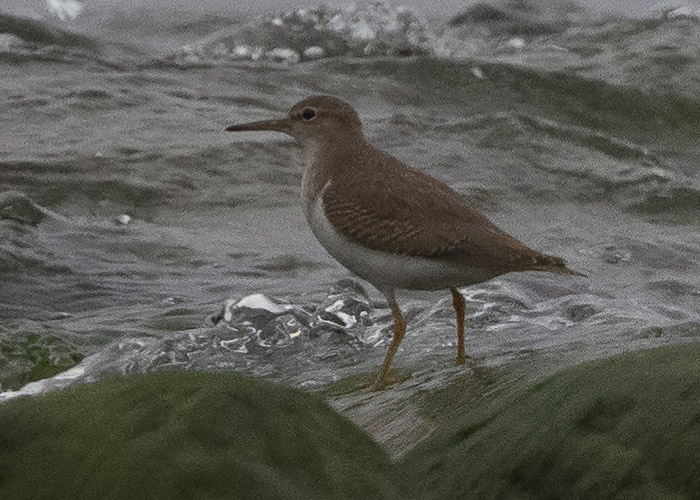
{"x":315,"y":120}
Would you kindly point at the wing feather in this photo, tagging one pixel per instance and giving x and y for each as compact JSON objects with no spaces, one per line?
{"x":403,"y":211}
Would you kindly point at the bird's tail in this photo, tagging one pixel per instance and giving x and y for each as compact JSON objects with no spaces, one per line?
{"x":555,"y":265}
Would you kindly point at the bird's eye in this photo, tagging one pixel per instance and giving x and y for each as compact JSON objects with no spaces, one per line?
{"x":308,"y":114}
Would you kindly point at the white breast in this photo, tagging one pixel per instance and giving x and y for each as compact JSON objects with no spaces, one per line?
{"x":387,"y":271}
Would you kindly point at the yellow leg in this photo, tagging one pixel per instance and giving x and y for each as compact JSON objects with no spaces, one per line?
{"x":399,"y":330}
{"x":460,"y":306}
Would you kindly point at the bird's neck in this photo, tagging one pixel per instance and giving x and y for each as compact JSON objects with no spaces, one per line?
{"x":322,"y":160}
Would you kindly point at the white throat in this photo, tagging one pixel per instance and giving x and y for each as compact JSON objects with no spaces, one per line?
{"x":309,"y":153}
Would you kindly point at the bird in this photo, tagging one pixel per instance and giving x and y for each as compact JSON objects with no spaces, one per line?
{"x":393,"y":226}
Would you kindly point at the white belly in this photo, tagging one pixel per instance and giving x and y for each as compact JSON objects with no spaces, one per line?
{"x":388,"y":271}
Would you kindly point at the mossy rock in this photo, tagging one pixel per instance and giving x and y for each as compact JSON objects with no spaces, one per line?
{"x":624,"y":428}
{"x":185,"y":435}
{"x":29,"y":357}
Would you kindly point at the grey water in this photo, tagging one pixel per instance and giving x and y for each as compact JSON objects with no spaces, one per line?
{"x":129,"y":219}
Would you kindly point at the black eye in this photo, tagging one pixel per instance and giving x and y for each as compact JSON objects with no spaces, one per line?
{"x":308,"y":114}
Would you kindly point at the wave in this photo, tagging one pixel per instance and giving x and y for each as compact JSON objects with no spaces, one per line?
{"x":675,"y":204}
{"x":518,"y":17}
{"x":626,"y":134}
{"x":254,"y":327}
{"x":55,"y":183}
{"x":64,"y":9}
{"x":16,"y":206}
{"x":42,"y":33}
{"x":369,"y":30}
{"x":680,"y":12}
{"x":25,"y":40}
{"x":375,"y":29}
{"x":482,"y":86}
{"x":19,"y":216}
{"x":647,"y":56}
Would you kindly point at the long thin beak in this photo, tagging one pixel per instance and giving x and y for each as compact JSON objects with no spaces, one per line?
{"x":282,"y":125}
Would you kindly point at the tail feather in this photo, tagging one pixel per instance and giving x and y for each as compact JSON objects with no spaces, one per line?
{"x":551,"y":264}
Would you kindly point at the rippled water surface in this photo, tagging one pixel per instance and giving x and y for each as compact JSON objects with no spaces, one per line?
{"x":128,"y":218}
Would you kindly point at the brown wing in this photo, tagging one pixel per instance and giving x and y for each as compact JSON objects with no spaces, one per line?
{"x":403,"y":211}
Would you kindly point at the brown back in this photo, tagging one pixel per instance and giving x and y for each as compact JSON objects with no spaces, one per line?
{"x":385,"y":206}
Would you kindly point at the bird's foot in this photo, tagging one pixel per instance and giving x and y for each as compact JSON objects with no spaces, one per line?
{"x":383,"y":382}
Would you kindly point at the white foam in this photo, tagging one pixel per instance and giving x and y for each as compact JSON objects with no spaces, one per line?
{"x":64,"y":9}
{"x":281,"y":54}
{"x":56,"y":382}
{"x":260,"y":301}
{"x":337,"y":309}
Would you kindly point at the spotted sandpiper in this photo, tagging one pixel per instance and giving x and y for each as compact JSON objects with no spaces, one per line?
{"x":393,"y":226}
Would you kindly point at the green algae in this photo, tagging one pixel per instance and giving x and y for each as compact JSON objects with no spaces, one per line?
{"x":186,"y":435}
{"x":625,"y":427}
{"x":33,"y":357}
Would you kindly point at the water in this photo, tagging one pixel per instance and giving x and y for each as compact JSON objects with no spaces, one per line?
{"x":141,"y":220}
